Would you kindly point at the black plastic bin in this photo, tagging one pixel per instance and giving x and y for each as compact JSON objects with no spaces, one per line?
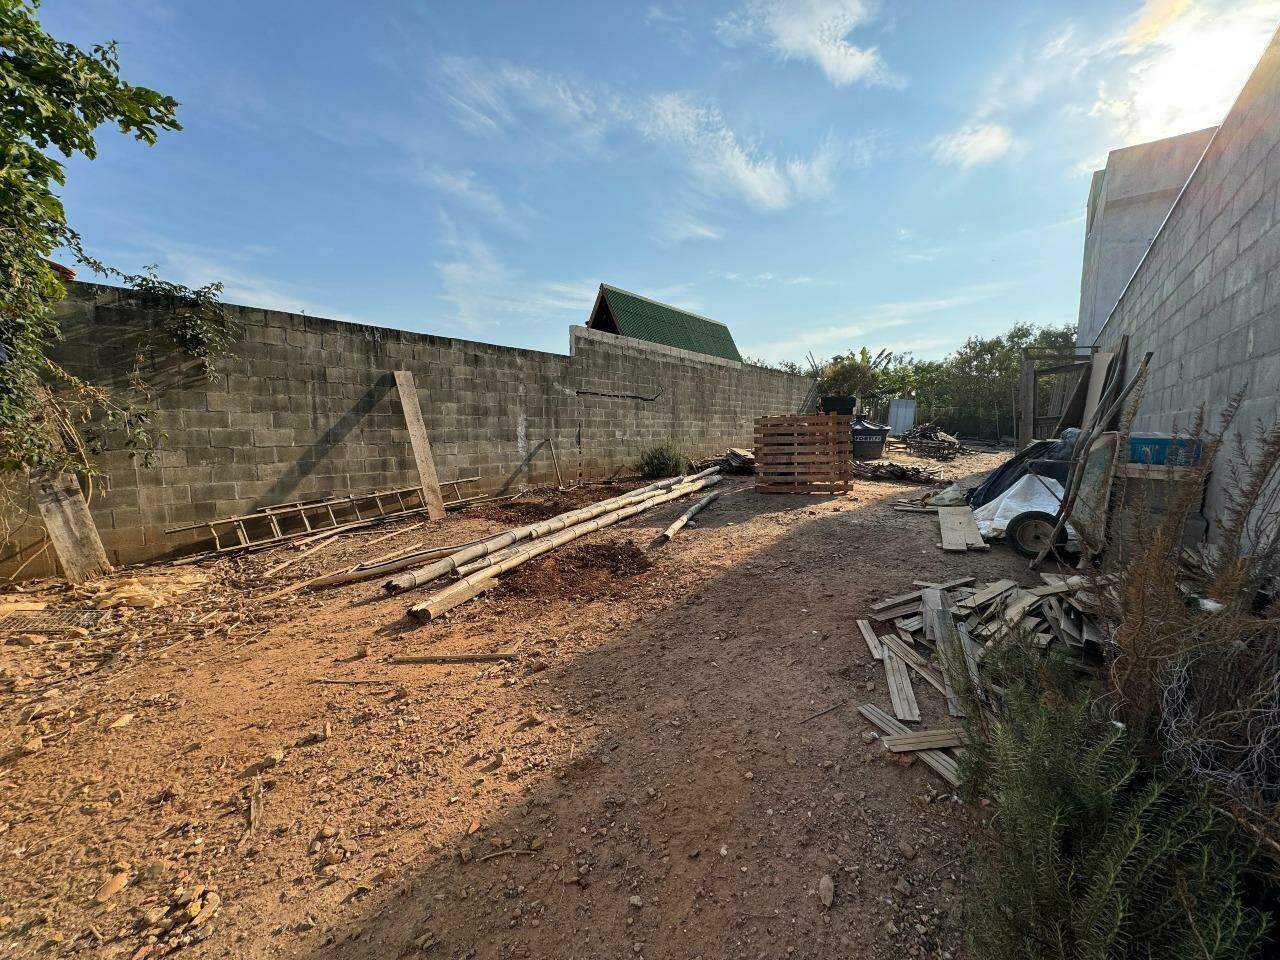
{"x":844,"y":406}
{"x":868,"y":439}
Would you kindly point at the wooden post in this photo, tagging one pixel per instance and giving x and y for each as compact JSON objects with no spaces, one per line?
{"x":70,"y":526}
{"x":1026,"y":401}
{"x":408,"y":392}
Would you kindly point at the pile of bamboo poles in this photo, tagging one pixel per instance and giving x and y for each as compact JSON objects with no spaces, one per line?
{"x":477,"y":563}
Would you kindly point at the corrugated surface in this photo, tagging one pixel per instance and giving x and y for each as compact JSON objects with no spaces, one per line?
{"x":647,"y":319}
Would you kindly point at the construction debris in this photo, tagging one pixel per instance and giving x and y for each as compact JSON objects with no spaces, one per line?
{"x":929,"y":440}
{"x":889,"y":471}
{"x":945,"y":633}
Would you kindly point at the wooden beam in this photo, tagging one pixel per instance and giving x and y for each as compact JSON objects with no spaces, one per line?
{"x":925,"y":740}
{"x":942,"y":764}
{"x":69,"y":525}
{"x":872,"y":641}
{"x":1026,"y":401}
{"x":408,"y":392}
{"x":901,"y":694}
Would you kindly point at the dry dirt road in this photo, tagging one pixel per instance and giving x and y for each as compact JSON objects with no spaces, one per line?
{"x":643,"y":781}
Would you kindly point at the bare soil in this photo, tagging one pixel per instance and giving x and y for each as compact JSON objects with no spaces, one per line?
{"x":647,"y":779}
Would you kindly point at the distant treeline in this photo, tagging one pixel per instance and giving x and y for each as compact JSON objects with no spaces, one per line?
{"x":972,"y":391}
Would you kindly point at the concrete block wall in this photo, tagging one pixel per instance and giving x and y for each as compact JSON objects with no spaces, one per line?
{"x":1206,"y":299}
{"x":307,"y":407}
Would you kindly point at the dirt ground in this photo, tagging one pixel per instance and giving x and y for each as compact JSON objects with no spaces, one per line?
{"x":647,"y":779}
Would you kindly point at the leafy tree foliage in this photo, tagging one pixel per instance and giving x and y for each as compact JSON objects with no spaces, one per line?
{"x":972,"y":391}
{"x":53,"y":98}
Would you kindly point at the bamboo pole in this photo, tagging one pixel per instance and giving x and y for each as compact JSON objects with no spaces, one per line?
{"x":685,"y":517}
{"x":388,"y":563}
{"x":460,"y":591}
{"x":449,"y":564}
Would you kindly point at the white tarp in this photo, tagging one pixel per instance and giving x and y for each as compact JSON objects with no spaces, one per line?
{"x":1029,"y":493}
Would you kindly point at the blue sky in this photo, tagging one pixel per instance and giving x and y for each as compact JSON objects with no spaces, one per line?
{"x":818,"y":174}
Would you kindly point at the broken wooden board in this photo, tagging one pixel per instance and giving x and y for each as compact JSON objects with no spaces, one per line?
{"x":901,"y":693}
{"x":873,"y":642}
{"x":912,"y":660}
{"x":914,"y":596}
{"x":986,"y":595}
{"x":896,"y":613}
{"x":959,"y":530}
{"x":940,"y":630}
{"x":938,"y":761}
{"x":925,"y":740}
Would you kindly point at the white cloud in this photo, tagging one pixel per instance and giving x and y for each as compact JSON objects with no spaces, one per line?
{"x":724,"y":165}
{"x":814,"y":30}
{"x":483,"y":292}
{"x":681,"y":226}
{"x":1181,"y":65}
{"x":849,"y":332}
{"x":543,"y":112}
{"x":973,"y":145}
{"x":495,"y":97}
{"x":762,"y":280}
{"x":463,"y":186}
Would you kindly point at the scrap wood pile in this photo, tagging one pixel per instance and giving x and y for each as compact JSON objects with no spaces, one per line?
{"x":930,"y":440}
{"x":475,"y":566}
{"x":734,"y":460}
{"x":944,"y":633}
{"x":893,"y":472}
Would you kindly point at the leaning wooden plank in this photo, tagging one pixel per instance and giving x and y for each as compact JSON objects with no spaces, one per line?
{"x":912,"y":660}
{"x":951,"y":527}
{"x":938,"y":761}
{"x":925,"y":740}
{"x":457,"y":593}
{"x":909,"y":624}
{"x":901,"y":693}
{"x":420,"y":444}
{"x":69,"y":525}
{"x":685,"y":517}
{"x":873,"y":642}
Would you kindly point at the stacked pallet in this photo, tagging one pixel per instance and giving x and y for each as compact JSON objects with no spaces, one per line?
{"x":943,"y":633}
{"x":804,"y":453}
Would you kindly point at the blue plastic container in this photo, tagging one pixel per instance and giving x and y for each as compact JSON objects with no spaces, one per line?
{"x":1163,"y":450}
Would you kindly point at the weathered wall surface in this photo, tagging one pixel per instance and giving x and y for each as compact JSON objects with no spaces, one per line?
{"x":1206,"y":300}
{"x":1128,"y":200}
{"x":308,"y":407}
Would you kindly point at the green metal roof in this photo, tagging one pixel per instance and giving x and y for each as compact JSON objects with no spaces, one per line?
{"x":631,"y":315}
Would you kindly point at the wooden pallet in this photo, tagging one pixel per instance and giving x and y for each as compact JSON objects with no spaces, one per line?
{"x":804,"y":453}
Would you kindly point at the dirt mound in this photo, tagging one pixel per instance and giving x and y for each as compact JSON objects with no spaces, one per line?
{"x":586,"y":571}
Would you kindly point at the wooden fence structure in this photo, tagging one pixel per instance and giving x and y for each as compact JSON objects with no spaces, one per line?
{"x":804,"y":453}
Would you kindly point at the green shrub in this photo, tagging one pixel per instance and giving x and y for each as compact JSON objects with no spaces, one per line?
{"x":1097,"y":854}
{"x":661,"y":461}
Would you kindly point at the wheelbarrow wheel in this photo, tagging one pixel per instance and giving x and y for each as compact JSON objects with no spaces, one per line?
{"x":1029,"y":532}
